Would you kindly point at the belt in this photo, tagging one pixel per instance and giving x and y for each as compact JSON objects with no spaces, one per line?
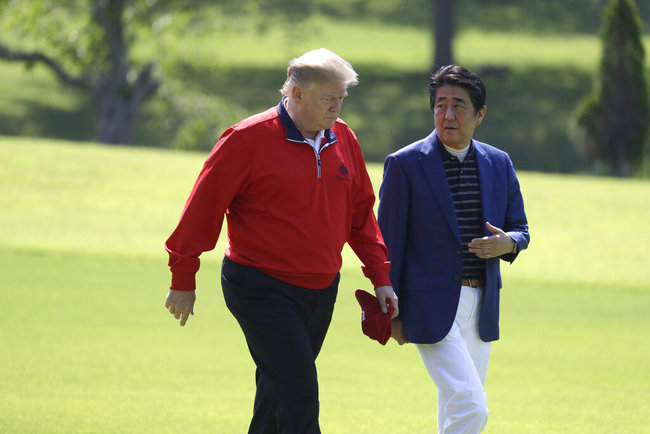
{"x":473,"y":283}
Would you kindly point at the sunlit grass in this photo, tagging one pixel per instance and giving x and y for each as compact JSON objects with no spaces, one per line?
{"x":397,"y":47}
{"x":245,"y":44}
{"x":528,"y":50}
{"x":88,"y":346}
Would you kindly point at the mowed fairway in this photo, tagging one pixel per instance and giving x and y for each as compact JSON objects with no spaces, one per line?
{"x":87,"y":345}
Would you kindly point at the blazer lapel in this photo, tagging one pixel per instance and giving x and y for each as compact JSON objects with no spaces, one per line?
{"x":484,"y":165}
{"x":434,"y":172}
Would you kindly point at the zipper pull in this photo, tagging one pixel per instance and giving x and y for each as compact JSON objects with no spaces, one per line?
{"x":318,"y":163}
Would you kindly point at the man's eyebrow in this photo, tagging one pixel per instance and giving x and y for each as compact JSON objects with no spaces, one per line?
{"x":454,"y":98}
{"x":334,"y":95}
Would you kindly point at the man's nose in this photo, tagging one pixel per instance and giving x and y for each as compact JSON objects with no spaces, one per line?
{"x":449,"y":113}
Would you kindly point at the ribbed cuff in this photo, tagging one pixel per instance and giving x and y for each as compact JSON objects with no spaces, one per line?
{"x":378,"y":274}
{"x":183,"y":282}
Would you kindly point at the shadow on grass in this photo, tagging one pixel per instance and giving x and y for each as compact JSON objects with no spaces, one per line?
{"x":50,"y":121}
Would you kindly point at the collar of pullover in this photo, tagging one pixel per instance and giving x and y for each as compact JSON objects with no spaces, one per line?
{"x":293,"y":134}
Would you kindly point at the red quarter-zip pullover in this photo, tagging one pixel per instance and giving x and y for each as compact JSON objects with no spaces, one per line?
{"x":289,"y":209}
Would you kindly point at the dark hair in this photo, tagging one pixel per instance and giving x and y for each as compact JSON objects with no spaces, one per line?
{"x":455,"y":75}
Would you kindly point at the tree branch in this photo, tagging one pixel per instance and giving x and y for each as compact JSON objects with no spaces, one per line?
{"x":35,"y":56}
{"x":146,"y":85}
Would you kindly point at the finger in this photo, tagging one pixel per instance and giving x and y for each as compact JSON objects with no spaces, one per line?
{"x":383,"y":302}
{"x":168,"y":299}
{"x":479,"y":242}
{"x":396,"y":309}
{"x":184,"y":318}
{"x":493,"y":229}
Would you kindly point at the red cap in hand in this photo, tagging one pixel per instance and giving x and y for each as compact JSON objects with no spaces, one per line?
{"x":374,"y":323}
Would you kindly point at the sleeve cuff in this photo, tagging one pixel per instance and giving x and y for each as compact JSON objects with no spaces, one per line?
{"x":378,"y":274}
{"x":183,"y":282}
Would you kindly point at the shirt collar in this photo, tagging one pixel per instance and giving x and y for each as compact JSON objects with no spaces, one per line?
{"x":447,"y":156}
{"x":293,"y":134}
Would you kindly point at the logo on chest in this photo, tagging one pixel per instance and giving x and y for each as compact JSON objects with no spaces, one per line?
{"x":344,"y":173}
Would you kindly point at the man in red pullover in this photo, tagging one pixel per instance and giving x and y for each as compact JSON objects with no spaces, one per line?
{"x":293,"y":185}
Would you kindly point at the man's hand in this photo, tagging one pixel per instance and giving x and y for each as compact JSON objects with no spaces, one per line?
{"x":398,"y":332}
{"x":181,"y":304}
{"x":492,"y":246}
{"x":384,"y":293}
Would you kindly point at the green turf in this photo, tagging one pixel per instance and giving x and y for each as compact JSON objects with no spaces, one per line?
{"x":87,"y":345}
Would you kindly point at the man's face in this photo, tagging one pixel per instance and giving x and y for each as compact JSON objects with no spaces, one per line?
{"x":455,"y":117}
{"x":319,"y":107}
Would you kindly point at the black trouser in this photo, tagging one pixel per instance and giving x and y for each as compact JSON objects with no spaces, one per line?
{"x":284,"y":326}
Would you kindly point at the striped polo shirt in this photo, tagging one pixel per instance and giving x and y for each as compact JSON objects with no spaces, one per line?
{"x":462,"y":178}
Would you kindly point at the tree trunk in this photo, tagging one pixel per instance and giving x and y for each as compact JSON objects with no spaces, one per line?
{"x":119,"y":106}
{"x":116,"y":119}
{"x":119,"y":100}
{"x":443,"y":32}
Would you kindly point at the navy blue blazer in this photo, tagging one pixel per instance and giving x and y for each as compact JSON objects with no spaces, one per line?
{"x":418,"y":222}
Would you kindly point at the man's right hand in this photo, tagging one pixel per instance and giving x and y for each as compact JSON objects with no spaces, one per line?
{"x":398,"y":332}
{"x":181,"y":304}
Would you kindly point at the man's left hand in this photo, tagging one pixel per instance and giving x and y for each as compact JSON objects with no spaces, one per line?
{"x":491,"y":246}
{"x":384,"y":293}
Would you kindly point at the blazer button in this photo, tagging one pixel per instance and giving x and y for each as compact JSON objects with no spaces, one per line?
{"x":459,"y":252}
{"x":457,"y":278}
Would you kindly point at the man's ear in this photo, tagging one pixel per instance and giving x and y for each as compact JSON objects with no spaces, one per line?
{"x":296,"y":93}
{"x":481,"y":115}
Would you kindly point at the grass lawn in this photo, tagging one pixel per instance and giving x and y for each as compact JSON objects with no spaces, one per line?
{"x":88,"y":346}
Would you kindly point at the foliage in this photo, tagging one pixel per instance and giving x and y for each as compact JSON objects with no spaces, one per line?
{"x":64,"y":29}
{"x":221,"y":61}
{"x":612,"y":124}
{"x":91,"y":54}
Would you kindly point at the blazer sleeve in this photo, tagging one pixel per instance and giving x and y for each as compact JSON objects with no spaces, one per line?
{"x":393,"y":217}
{"x":516,"y":224}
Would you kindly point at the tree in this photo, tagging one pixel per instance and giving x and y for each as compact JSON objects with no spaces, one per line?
{"x":443,"y":29}
{"x":86,"y":45}
{"x":612,"y":122}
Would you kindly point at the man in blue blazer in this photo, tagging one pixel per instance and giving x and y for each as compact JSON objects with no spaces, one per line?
{"x":450,"y":209}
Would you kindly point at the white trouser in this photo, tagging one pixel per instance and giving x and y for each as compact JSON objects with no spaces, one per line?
{"x":458,"y":365}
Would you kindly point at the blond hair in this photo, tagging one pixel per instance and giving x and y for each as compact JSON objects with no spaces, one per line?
{"x":318,"y":66}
